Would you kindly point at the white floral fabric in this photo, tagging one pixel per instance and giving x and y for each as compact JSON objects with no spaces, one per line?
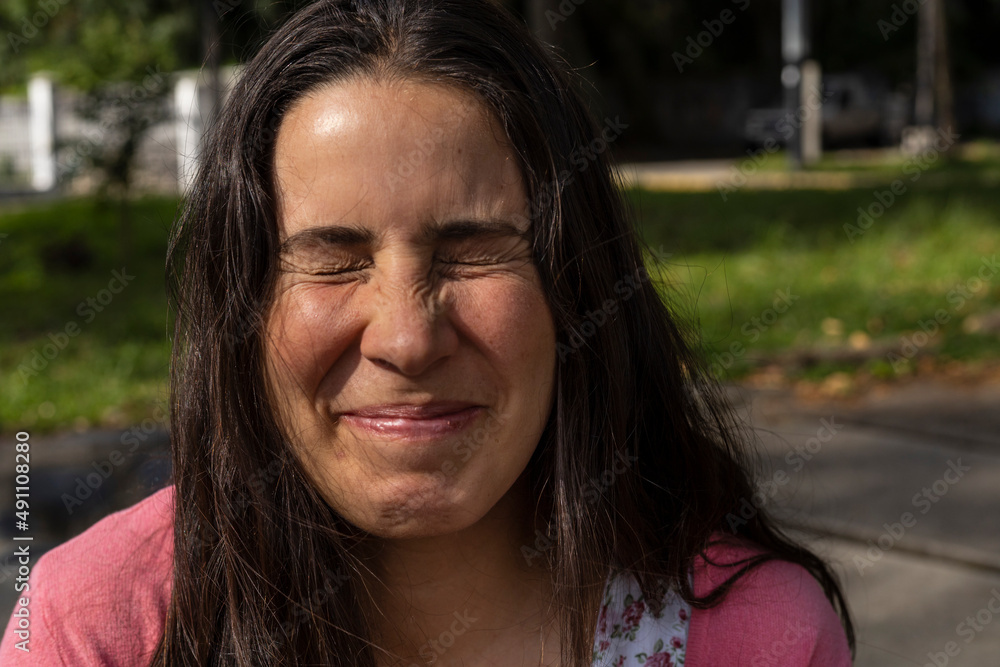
{"x":629,"y":633}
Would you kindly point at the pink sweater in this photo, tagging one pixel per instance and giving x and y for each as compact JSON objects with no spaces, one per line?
{"x":101,"y":598}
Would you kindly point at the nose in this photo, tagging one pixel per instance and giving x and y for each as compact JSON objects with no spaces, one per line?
{"x":408,"y":330}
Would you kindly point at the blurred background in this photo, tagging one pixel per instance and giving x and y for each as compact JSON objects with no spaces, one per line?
{"x":819,"y":182}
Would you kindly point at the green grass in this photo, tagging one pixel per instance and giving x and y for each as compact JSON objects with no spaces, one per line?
{"x":113,"y":371}
{"x":729,"y":259}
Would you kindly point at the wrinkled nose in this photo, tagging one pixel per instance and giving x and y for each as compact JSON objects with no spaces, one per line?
{"x":409,"y":330}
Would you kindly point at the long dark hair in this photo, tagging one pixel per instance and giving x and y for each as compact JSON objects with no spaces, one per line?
{"x":265,"y":572}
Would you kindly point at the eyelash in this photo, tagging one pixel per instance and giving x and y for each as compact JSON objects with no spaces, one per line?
{"x":445,"y":261}
{"x":350,"y":268}
{"x":484,"y":260}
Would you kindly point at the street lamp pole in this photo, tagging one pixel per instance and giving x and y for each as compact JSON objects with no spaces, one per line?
{"x":794,"y":50}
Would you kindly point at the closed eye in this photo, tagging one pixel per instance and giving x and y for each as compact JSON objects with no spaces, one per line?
{"x":339,"y":270}
{"x":469,"y":261}
{"x":350,"y":271}
{"x":472,"y":267}
{"x":329,"y":269}
{"x":483,"y":250}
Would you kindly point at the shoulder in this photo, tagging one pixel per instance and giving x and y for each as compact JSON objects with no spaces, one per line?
{"x":101,"y":597}
{"x":775,"y":614}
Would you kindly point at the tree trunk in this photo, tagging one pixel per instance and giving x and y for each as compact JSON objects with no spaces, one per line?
{"x":934,"y":101}
{"x":126,"y":245}
{"x":926,"y":42}
{"x":943,"y":98}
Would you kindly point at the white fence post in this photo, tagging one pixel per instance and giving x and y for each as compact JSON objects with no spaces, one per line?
{"x":189,"y":129}
{"x":41,"y":103}
{"x":812,"y":125}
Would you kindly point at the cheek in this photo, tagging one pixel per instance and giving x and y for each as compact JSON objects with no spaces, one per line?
{"x":309,"y":328}
{"x":511,"y":323}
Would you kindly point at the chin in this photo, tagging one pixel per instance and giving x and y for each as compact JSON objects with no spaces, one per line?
{"x":413,"y":510}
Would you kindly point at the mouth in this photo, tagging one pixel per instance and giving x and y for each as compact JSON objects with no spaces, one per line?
{"x":401,"y":421}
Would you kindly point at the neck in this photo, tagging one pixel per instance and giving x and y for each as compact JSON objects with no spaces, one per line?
{"x":465,"y":596}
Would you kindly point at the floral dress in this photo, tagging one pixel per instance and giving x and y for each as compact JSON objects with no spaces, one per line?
{"x":629,"y":633}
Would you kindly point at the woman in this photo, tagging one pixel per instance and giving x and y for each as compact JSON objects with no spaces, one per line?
{"x":428,"y":406}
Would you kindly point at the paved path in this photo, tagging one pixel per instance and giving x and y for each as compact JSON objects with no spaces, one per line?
{"x":727,"y":176}
{"x":902,"y":492}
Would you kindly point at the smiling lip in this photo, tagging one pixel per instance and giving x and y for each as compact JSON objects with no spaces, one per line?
{"x":413,"y":422}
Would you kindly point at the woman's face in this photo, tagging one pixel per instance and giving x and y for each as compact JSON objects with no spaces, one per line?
{"x":410,"y":348}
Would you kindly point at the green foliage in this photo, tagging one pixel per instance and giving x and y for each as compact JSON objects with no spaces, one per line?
{"x":87,"y":43}
{"x":54,"y":258}
{"x":731,"y":258}
{"x":119,"y":47}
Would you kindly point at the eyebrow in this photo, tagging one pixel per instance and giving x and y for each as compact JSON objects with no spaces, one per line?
{"x":352,"y":235}
{"x":327,"y":235}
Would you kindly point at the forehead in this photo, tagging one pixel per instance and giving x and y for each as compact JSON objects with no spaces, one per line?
{"x":392,"y":154}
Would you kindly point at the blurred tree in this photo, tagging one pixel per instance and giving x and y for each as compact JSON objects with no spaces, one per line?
{"x":88,"y":42}
{"x":118,"y":54}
